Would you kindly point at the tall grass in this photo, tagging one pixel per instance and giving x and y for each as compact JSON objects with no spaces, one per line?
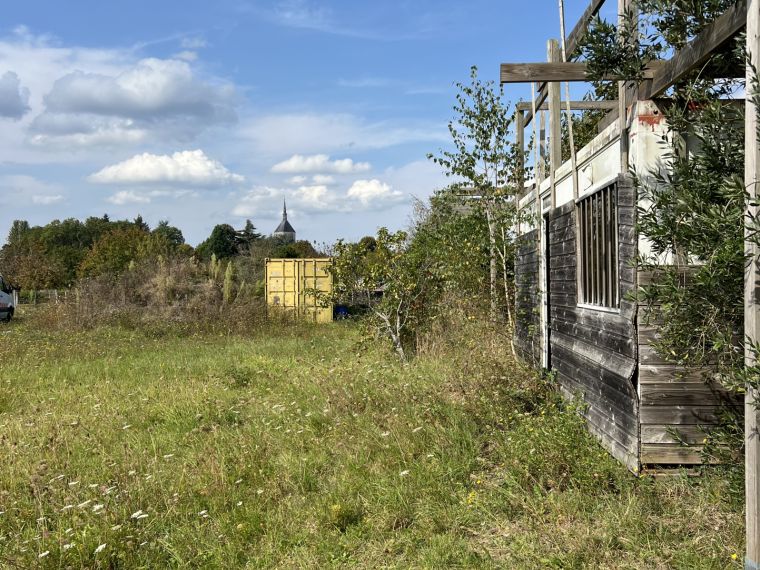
{"x":306,"y":447}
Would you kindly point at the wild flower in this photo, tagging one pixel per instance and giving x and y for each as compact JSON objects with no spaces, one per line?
{"x":43,"y":554}
{"x":136,"y":514}
{"x":97,"y":508}
{"x":68,"y":545}
{"x":404,"y":473}
{"x":100,"y":548}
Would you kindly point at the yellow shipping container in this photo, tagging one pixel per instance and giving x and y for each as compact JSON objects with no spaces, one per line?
{"x":289,"y":283}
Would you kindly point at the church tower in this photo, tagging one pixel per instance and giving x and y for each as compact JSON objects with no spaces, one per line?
{"x":285,"y":231}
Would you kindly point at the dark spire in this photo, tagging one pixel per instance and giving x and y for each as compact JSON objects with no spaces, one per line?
{"x":285,"y":229}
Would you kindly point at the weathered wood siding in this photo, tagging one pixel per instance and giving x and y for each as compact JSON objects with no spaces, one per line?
{"x":528,"y":299}
{"x":678,"y":404}
{"x":594,"y":351}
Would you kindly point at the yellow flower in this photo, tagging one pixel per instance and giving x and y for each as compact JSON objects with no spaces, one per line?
{"x":734,"y":556}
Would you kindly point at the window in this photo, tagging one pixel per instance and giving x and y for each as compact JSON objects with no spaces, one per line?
{"x":598,"y":260}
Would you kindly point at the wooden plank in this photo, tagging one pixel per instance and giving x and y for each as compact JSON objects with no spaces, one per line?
{"x":666,"y":433}
{"x":574,"y":105}
{"x":670,"y":454}
{"x":558,"y":72}
{"x":619,"y":344}
{"x":555,"y":123}
{"x":543,"y":93}
{"x":678,"y":415}
{"x":595,"y":361}
{"x":608,"y":397}
{"x":659,"y":373}
{"x":621,"y":443}
{"x":697,"y":51}
{"x":751,"y":300}
{"x":579,"y":30}
{"x":649,"y":356}
{"x":682,"y":393}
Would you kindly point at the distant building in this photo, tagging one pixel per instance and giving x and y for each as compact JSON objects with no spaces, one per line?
{"x":285,"y":231}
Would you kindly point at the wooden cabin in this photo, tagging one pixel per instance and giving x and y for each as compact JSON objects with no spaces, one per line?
{"x":576,"y":264}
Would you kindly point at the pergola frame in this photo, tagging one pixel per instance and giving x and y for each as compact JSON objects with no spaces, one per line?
{"x":658,"y":78}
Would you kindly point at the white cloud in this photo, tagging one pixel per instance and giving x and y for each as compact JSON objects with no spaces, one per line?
{"x":21,"y":189}
{"x":186,"y":167}
{"x":186,"y":55}
{"x":319,"y":163}
{"x":323,"y":179}
{"x":298,"y":179}
{"x":419,"y":178}
{"x":313,"y":133}
{"x":46,"y":200}
{"x":316,"y":197}
{"x":369,"y":192}
{"x":307,"y":199}
{"x":260,"y":200}
{"x":128,"y":197}
{"x":14,"y":99}
{"x":151,"y":99}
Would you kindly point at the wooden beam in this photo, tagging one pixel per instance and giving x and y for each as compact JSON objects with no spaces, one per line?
{"x":623,"y":6}
{"x":751,"y":299}
{"x":697,"y":51}
{"x":542,"y":95}
{"x":577,"y":33}
{"x":558,"y":72}
{"x":555,"y":123}
{"x":574,"y":105}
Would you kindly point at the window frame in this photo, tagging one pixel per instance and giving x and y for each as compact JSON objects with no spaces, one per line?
{"x":598,"y":248}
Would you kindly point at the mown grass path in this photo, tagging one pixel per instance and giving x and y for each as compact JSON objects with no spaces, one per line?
{"x":306,"y":448}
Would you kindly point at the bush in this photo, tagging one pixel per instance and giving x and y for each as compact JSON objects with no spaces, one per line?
{"x":157,"y":296}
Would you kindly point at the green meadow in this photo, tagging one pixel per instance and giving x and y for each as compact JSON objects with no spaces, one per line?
{"x":308,"y":447}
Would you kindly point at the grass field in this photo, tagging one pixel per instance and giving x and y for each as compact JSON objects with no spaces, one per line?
{"x":307,"y":448}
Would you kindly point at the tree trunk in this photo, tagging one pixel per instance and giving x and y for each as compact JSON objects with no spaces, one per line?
{"x":493,"y":267}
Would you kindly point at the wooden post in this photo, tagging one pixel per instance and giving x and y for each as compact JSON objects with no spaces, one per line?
{"x":542,"y":149}
{"x":555,"y":127}
{"x":520,"y":136}
{"x":622,"y":107}
{"x":751,"y":304}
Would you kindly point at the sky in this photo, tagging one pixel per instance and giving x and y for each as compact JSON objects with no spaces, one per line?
{"x":202,"y":113}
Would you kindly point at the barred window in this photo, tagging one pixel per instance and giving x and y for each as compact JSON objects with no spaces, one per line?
{"x":598,"y":262}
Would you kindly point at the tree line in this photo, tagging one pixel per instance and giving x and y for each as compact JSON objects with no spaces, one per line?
{"x":57,"y":254}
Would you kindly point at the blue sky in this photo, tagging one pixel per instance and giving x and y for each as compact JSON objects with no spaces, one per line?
{"x":204,"y":113}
